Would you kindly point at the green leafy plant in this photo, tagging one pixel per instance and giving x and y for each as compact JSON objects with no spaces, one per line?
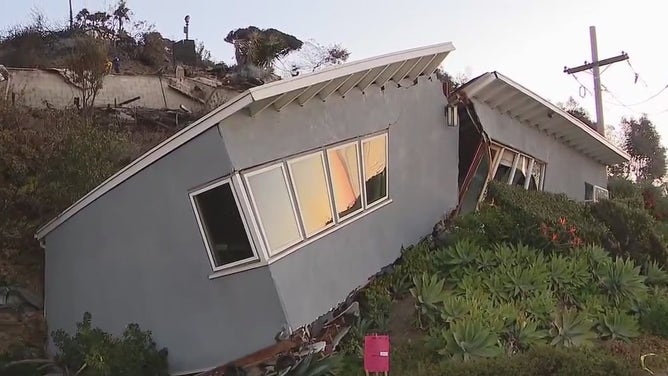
{"x":352,"y":343}
{"x":622,"y":282}
{"x":653,"y":320}
{"x":655,"y":274}
{"x":454,"y":308}
{"x":595,"y":256}
{"x":91,"y":351}
{"x":523,"y":335}
{"x":469,"y":339}
{"x":523,"y":281}
{"x":633,"y":232}
{"x":618,"y":325}
{"x":566,"y":275}
{"x":314,"y":365}
{"x":571,"y":328}
{"x":541,"y":360}
{"x":429,"y":292}
{"x":459,"y":255}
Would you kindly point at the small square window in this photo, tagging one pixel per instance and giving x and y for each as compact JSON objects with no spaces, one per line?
{"x":589,"y":192}
{"x":374,"y":161}
{"x":224,"y":230}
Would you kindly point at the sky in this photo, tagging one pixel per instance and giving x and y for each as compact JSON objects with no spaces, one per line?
{"x":530,"y":41}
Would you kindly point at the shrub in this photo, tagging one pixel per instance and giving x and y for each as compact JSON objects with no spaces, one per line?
{"x":96,"y":352}
{"x":515,"y":215}
{"x":653,"y":319}
{"x":152,"y":49}
{"x":543,"y":361}
{"x":633,"y":232}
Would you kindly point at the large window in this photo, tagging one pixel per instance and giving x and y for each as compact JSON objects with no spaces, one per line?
{"x":311,"y":185}
{"x":273,"y":203}
{"x":301,"y":197}
{"x":515,"y":168}
{"x":345,"y":173}
{"x":225,"y":233}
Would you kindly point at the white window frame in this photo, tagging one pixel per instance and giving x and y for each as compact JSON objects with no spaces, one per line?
{"x":293,"y":186}
{"x":500,"y":150}
{"x":271,"y":252}
{"x":366,"y":205}
{"x":244,"y":220}
{"x":360,"y":182}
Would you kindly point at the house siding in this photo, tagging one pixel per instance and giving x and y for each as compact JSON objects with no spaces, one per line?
{"x":136,"y":255}
{"x":567,"y":169}
{"x":423,"y":171}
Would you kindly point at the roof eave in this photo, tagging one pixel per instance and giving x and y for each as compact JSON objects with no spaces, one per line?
{"x":379,"y":70}
{"x":613,"y":155}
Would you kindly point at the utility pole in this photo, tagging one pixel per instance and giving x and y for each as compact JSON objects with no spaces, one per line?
{"x":71,"y":16}
{"x":595,"y":66}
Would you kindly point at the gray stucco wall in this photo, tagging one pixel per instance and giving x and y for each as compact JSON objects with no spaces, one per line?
{"x":136,"y":255}
{"x":567,"y":169}
{"x":423,"y":158}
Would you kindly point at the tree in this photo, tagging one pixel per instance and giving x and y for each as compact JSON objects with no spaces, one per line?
{"x":311,"y":57}
{"x":260,"y":47}
{"x":574,"y":108}
{"x":87,"y":65}
{"x":453,"y":82}
{"x":643,"y":143}
{"x":121,"y":14}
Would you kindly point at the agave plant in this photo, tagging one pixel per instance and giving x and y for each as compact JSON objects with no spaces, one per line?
{"x":622,"y":282}
{"x":618,"y":325}
{"x":655,"y":274}
{"x":562,"y":274}
{"x":486,"y":260}
{"x":524,"y":334}
{"x":469,"y":339}
{"x":429,"y":292}
{"x":454,"y":308}
{"x":461,"y":254}
{"x":313,"y":365}
{"x":595,"y":255}
{"x":516,"y":254}
{"x":540,"y":306}
{"x":571,"y":328}
{"x":523,"y":282}
{"x":496,"y":287}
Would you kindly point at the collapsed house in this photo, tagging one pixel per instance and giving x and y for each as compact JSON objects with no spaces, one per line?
{"x":268,"y":211}
{"x":510,"y":134}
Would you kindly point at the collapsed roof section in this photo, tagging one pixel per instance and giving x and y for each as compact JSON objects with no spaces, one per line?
{"x":513,"y":99}
{"x":337,"y":80}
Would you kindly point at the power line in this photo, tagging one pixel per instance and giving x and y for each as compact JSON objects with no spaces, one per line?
{"x":636,"y":75}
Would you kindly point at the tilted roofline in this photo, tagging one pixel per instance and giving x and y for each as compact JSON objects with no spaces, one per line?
{"x":509,"y":97}
{"x":336,"y":80}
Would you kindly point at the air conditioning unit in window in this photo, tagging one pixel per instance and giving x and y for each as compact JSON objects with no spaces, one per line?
{"x":600,"y":193}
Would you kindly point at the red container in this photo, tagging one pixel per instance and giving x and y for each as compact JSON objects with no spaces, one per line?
{"x":377,"y":353}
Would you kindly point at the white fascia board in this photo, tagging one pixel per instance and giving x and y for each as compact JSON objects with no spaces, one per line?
{"x":283,"y":86}
{"x":479,"y":84}
{"x":570,"y":118}
{"x":488,"y":78}
{"x":159,"y":151}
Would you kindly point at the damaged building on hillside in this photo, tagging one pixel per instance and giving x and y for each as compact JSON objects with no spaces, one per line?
{"x":508,"y":133}
{"x":267,"y":212}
